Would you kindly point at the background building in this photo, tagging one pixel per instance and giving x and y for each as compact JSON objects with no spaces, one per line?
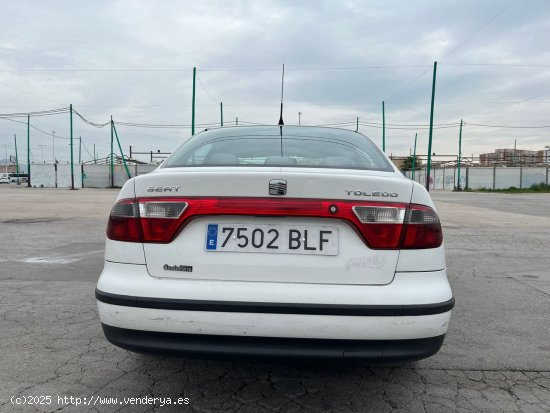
{"x":513,"y":157}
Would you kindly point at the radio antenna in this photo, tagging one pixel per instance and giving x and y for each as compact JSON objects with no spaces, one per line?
{"x":281,"y":123}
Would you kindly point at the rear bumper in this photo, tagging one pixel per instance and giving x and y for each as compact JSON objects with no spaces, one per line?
{"x":364,"y":310}
{"x":275,"y":320}
{"x":406,"y":319}
{"x":202,"y":345}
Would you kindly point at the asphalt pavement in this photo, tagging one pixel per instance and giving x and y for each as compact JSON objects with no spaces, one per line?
{"x":496,"y":356}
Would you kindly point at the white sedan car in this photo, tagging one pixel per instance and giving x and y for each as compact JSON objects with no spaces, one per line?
{"x":276,"y":241}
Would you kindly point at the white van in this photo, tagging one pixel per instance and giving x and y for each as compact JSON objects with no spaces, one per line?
{"x":4,"y":178}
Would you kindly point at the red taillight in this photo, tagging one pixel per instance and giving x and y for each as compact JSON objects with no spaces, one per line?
{"x":423,"y":229}
{"x":381,"y":225}
{"x":160,"y":218}
{"x":155,"y":220}
{"x":124,"y":222}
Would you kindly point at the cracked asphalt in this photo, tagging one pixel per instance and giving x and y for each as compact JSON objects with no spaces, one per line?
{"x":496,"y":356}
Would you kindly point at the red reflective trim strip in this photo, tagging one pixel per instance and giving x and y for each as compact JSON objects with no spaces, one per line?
{"x":386,"y":236}
{"x":267,"y":206}
{"x":375,"y":235}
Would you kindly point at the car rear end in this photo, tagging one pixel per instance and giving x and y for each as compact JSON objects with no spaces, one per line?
{"x":278,"y":242}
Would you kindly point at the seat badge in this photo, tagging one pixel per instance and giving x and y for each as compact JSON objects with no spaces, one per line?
{"x":277,"y":187}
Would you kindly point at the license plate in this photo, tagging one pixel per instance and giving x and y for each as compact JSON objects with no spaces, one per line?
{"x":274,"y":239}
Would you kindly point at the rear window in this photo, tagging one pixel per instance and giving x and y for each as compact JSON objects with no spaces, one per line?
{"x":344,"y":150}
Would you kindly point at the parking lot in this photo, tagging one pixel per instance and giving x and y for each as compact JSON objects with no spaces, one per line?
{"x":496,"y":356}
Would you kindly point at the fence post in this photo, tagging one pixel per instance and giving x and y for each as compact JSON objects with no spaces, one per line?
{"x":16,"y":161}
{"x":429,"y":163}
{"x":444,"y":169}
{"x":111,"y":156}
{"x":383,"y":128}
{"x":546,"y":176}
{"x":459,"y":158}
{"x":414,"y":154}
{"x":494,"y":176}
{"x":29,"y":150}
{"x":520,"y":176}
{"x":72,"y":153}
{"x":122,"y":153}
{"x":426,"y":183}
{"x":192,"y":105}
{"x":467,"y":177}
{"x":454,"y":178}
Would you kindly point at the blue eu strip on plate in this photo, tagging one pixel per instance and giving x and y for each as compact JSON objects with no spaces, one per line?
{"x":212,"y":237}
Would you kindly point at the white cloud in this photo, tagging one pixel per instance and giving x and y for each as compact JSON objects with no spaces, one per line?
{"x":244,"y":36}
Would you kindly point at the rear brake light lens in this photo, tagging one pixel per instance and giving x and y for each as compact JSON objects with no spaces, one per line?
{"x":147,"y":221}
{"x":124,"y":222}
{"x":381,"y":225}
{"x":160,"y":219}
{"x":423,"y":229}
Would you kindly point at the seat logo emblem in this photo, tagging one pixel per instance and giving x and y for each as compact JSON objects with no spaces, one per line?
{"x":277,"y":187}
{"x":163,"y":188}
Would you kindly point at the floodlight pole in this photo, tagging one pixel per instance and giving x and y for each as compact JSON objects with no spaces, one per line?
{"x":72,"y":160}
{"x":112,"y":150}
{"x":458,"y":188}
{"x":16,"y":159}
{"x":193,"y":103}
{"x":122,"y":153}
{"x":429,"y":163}
{"x":414,"y":156}
{"x":383,"y":128}
{"x":29,"y":149}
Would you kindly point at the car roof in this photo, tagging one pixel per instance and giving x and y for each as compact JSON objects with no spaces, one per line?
{"x":275,"y":130}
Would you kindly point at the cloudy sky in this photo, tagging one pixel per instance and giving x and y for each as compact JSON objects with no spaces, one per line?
{"x":134,"y":60}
